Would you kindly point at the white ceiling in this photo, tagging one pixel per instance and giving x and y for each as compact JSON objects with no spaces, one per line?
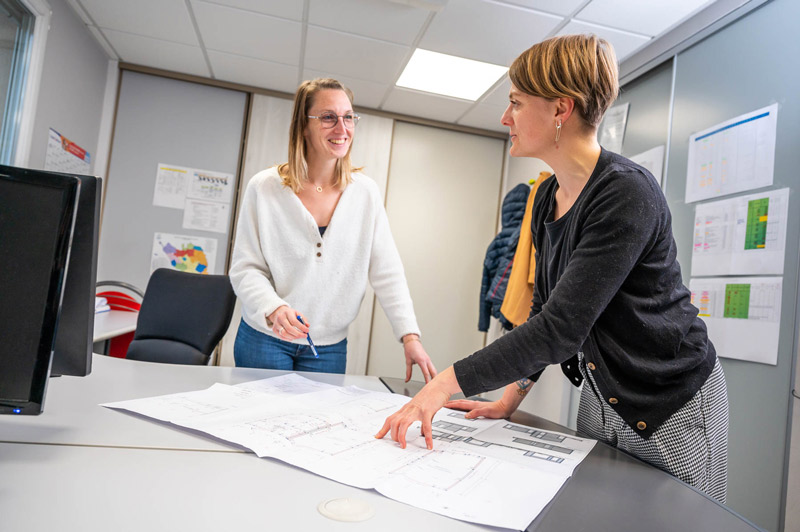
{"x":276,"y":44}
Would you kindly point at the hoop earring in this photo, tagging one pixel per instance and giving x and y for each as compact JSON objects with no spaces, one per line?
{"x":558,"y":130}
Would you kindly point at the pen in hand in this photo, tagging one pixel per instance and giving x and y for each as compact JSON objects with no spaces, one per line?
{"x":308,"y":337}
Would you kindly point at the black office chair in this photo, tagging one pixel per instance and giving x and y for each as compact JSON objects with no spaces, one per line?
{"x":183,"y":317}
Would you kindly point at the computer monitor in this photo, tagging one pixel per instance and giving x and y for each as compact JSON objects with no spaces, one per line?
{"x":37,"y":214}
{"x":74,"y":337}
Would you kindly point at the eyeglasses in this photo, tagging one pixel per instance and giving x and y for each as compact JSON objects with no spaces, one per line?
{"x":329,"y":120}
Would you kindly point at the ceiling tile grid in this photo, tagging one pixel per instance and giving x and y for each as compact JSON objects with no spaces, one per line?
{"x":249,"y":34}
{"x":275,"y":44}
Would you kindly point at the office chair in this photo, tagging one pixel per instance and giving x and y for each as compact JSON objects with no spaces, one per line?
{"x":183,"y":317}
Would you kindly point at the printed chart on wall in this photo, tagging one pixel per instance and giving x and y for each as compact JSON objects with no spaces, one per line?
{"x":203,"y":195}
{"x":743,"y":315}
{"x":734,"y":156}
{"x":65,"y":156}
{"x":745,"y":235}
{"x":184,"y":253}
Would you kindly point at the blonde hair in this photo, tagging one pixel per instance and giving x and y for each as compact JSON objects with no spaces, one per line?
{"x":295,"y":172}
{"x":581,"y":67}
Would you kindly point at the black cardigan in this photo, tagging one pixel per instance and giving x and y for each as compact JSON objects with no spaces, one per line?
{"x":618,"y":297}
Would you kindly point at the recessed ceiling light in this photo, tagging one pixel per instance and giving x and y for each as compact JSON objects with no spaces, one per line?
{"x":449,"y":75}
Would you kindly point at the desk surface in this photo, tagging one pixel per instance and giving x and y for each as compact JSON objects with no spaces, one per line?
{"x":113,"y":323}
{"x":72,"y":415}
{"x":100,"y":469}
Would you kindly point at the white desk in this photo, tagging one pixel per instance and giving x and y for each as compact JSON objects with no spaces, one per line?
{"x":72,"y":416}
{"x":113,"y":323}
{"x":82,"y":467}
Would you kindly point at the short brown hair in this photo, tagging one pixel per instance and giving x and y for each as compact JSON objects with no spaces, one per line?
{"x":581,"y":67}
{"x":295,"y":172}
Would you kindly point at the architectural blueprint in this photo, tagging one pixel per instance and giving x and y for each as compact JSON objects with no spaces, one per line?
{"x":485,"y":471}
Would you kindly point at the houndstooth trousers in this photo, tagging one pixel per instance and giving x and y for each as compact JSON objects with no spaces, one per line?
{"x":692,"y":444}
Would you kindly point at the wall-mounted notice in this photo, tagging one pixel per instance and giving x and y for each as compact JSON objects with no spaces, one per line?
{"x":210,"y":186}
{"x":653,"y":160}
{"x":745,"y":235}
{"x":184,"y":253}
{"x":175,"y":185}
{"x":734,"y":156}
{"x":63,"y":155}
{"x":171,"y":185}
{"x":612,"y":129}
{"x":743,"y":315}
{"x":206,"y":216}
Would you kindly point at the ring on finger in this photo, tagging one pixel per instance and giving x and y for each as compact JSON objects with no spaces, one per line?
{"x":280,"y":331}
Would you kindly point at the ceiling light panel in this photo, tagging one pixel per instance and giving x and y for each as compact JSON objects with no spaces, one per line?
{"x":449,"y":75}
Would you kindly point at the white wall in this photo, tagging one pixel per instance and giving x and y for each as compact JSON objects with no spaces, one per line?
{"x":72,"y":86}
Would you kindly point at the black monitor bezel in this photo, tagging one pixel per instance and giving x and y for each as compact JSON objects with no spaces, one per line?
{"x":70,"y":187}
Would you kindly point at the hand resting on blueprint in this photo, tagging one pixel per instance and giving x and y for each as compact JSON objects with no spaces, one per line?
{"x":422,"y":407}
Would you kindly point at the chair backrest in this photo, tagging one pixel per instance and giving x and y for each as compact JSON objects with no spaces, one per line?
{"x":183,"y":317}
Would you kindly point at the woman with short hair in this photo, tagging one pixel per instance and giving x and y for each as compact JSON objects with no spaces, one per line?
{"x":609,"y":302}
{"x":311,"y":233}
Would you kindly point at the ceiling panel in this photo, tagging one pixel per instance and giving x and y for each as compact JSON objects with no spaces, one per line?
{"x":163,"y":19}
{"x":380,"y":20}
{"x":494,"y":33}
{"x":291,"y":9}
{"x":424,"y":105}
{"x":499,"y":96}
{"x":557,"y":7}
{"x":157,"y":53}
{"x":652,"y":17}
{"x":367,"y":93}
{"x":255,"y":72}
{"x":624,"y":43}
{"x":485,"y":116}
{"x":249,"y":34}
{"x":353,"y":56}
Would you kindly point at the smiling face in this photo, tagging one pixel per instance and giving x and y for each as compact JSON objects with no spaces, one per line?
{"x":333,"y":143}
{"x":531,"y":122}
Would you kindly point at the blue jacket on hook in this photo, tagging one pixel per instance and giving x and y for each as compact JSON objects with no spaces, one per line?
{"x":500,"y":256}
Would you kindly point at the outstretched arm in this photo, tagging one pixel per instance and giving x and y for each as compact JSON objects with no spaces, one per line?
{"x":513,"y":395}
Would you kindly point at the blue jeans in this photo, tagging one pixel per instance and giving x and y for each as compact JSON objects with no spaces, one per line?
{"x":254,"y":349}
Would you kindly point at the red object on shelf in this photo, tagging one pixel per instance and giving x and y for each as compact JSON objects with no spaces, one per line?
{"x":118,"y":346}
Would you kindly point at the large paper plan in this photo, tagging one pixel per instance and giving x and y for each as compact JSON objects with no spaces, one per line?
{"x":473,"y":472}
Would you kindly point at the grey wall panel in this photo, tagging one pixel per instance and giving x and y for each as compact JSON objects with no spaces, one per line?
{"x":441,"y":201}
{"x":648,"y":114}
{"x":161,"y":120}
{"x":744,"y":67}
{"x":72,"y":86}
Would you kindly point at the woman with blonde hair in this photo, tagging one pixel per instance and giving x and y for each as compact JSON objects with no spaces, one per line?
{"x":312,"y":232}
{"x":609,"y":303}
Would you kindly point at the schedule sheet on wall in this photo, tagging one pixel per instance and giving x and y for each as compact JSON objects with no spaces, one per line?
{"x":743,"y":315}
{"x":745,"y":235}
{"x":473,"y":473}
{"x":734,"y":156}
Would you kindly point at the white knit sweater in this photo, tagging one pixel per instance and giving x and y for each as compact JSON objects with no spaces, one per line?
{"x":279,"y":259}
